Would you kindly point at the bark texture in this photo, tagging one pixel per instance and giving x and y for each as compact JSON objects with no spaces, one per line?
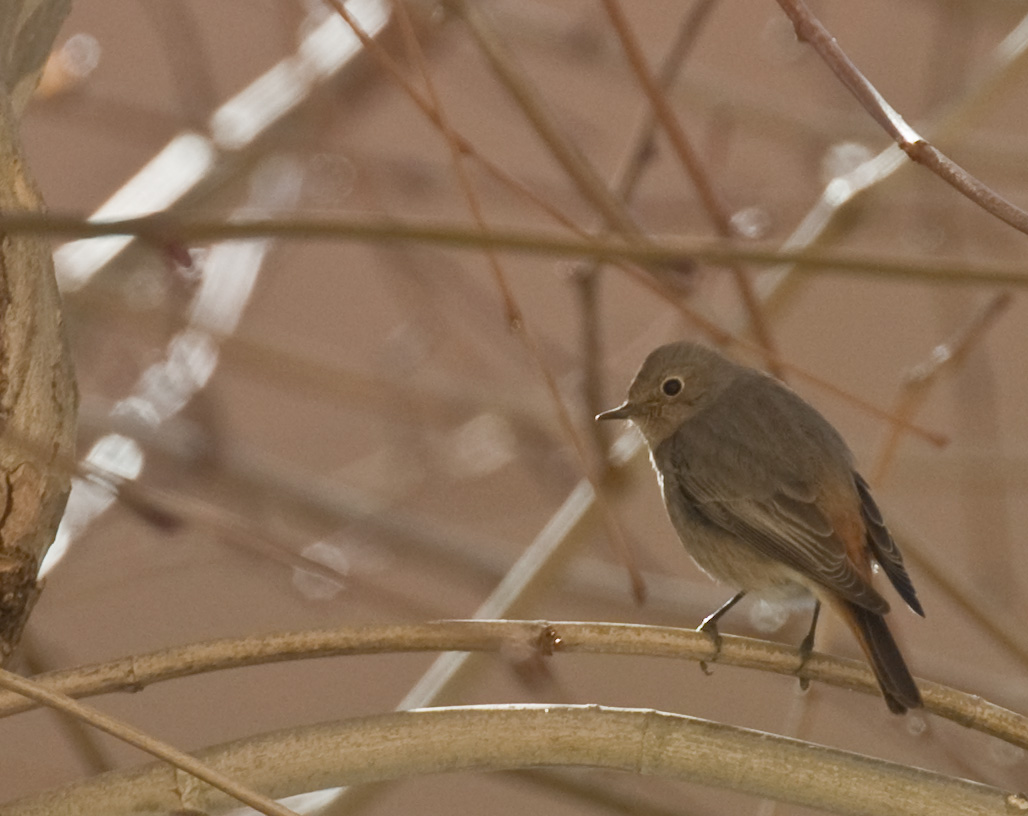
{"x":38,"y":401}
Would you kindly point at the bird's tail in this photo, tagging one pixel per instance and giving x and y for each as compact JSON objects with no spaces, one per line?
{"x":883,"y":654}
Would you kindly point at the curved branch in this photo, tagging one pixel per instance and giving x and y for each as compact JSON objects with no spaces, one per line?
{"x":490,"y":738}
{"x":134,"y":673}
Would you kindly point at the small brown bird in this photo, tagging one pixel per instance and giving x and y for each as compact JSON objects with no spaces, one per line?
{"x":762,"y":491}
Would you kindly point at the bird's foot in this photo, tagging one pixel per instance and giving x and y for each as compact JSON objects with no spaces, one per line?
{"x":709,"y":627}
{"x":806,"y":648}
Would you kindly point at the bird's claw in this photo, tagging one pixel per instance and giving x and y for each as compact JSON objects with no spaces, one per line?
{"x":709,"y":628}
{"x":806,"y":649}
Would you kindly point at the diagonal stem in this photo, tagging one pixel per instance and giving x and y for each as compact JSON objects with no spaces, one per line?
{"x":133,"y":736}
{"x":713,"y":205}
{"x":810,"y":30}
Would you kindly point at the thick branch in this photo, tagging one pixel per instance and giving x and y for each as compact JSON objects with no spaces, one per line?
{"x":37,"y":388}
{"x":440,"y":740}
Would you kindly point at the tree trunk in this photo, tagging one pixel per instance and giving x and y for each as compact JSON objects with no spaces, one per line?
{"x":38,"y":401}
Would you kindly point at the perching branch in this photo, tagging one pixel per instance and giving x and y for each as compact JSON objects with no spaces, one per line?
{"x":517,"y":637}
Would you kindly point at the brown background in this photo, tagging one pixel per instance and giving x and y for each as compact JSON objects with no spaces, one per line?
{"x":416,"y":397}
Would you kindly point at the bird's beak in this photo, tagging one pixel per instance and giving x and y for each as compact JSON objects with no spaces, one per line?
{"x":624,"y":411}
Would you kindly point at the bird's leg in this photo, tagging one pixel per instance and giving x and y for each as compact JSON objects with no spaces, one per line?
{"x":709,"y":626}
{"x":807,"y":645}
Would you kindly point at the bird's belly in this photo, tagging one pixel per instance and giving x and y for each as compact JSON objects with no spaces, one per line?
{"x":730,"y":560}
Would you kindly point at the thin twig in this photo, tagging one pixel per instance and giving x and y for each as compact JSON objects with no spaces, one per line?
{"x":626,"y":179}
{"x":467,"y":148}
{"x":663,"y":250}
{"x":386,"y":230}
{"x":126,"y":733}
{"x":630,"y":170}
{"x":82,"y":740}
{"x":602,"y":248}
{"x":810,"y":30}
{"x":922,"y":378}
{"x":532,"y":104}
{"x":690,"y":161}
{"x":975,"y":606}
{"x":515,"y":315}
{"x":656,"y":283}
{"x":842,"y":192}
{"x":169,"y":509}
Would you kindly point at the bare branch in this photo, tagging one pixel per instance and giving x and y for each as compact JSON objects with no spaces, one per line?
{"x":715,"y":208}
{"x":922,"y":378}
{"x":483,"y":738}
{"x":505,"y":636}
{"x":810,"y":30}
{"x":666,"y":250}
{"x":516,"y":318}
{"x":144,"y":742}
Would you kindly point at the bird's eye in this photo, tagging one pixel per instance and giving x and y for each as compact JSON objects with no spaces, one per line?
{"x":671,"y":386}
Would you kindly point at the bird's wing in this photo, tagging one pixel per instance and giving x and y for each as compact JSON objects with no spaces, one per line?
{"x":886,"y":552}
{"x":765,"y":494}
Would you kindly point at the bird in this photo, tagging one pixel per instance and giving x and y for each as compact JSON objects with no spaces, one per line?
{"x":764,"y":495}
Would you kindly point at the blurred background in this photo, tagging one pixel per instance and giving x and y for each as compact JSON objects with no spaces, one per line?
{"x":337,"y":432}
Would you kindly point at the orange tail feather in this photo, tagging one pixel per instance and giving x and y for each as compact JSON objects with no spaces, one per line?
{"x":898,"y":687}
